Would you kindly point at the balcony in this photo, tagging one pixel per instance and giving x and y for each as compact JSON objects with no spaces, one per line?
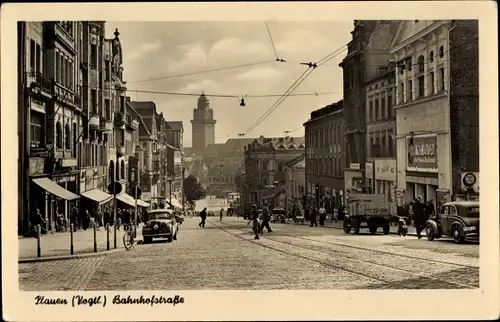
{"x":39,"y":84}
{"x":119,"y":119}
{"x":94,"y":122}
{"x":132,"y":124}
{"x":106,"y":125}
{"x":120,"y":150}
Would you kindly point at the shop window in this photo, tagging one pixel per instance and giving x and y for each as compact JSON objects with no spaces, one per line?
{"x":37,"y":127}
{"x":58,"y":135}
{"x":421,"y":86}
{"x":421,"y":64}
{"x":67,"y":136}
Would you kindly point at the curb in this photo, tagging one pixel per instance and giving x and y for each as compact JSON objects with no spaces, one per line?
{"x":69,"y":257}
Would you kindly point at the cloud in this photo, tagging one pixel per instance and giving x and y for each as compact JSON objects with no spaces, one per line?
{"x":207,"y":85}
{"x":261,"y":73}
{"x":143,"y":49}
{"x":236,"y":49}
{"x":191,"y":56}
{"x":303,"y":43}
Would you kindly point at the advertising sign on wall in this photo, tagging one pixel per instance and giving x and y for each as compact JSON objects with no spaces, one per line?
{"x":385,"y":169}
{"x":369,"y":170}
{"x":422,"y":153}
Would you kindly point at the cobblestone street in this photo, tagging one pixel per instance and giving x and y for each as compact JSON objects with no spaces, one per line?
{"x":224,"y":255}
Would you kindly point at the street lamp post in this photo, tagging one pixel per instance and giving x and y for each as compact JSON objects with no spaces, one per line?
{"x":170,"y":191}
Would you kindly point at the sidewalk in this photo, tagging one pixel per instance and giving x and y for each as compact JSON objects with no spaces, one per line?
{"x":58,"y":244}
{"x":339,"y":225}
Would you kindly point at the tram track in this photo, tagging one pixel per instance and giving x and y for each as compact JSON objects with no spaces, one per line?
{"x":350,"y":259}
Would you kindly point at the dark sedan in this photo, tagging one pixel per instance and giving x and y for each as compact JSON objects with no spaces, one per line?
{"x":162,"y":223}
{"x":458,"y":219}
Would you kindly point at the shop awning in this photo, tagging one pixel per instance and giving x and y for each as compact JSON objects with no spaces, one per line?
{"x":175,"y":203}
{"x":55,"y":189}
{"x":129,"y":200}
{"x":97,"y":195}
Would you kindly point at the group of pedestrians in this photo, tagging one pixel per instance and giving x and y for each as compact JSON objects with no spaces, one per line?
{"x":312,"y":213}
{"x":258,"y":228}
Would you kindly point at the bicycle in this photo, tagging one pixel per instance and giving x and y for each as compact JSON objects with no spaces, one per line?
{"x":129,"y":236}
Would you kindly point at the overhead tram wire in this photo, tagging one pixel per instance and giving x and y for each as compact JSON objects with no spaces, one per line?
{"x":204,"y":71}
{"x":272,"y":43}
{"x":228,"y":95}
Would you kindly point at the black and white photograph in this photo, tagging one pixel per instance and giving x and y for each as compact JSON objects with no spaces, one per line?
{"x":201,"y":152}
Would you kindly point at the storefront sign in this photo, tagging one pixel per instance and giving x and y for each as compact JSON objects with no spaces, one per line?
{"x":41,"y":151}
{"x":354,"y":166}
{"x":89,"y":180}
{"x":385,"y":169}
{"x":36,"y":166}
{"x":422,"y":153}
{"x":369,"y":170}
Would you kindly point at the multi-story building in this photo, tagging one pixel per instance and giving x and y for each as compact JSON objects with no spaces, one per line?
{"x":368,"y":49}
{"x":175,"y":167}
{"x":264,"y":159}
{"x":380,"y":167}
{"x":149,"y":160}
{"x":161,"y":151}
{"x":295,"y":182}
{"x":203,"y":125}
{"x":325,"y":155}
{"x":437,"y":112}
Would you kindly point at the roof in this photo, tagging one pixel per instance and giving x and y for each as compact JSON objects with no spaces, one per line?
{"x":294,"y":161}
{"x":147,"y":110}
{"x":325,"y":111}
{"x":225,"y":149}
{"x":143,"y":129}
{"x":175,"y":125}
{"x":280,"y":143}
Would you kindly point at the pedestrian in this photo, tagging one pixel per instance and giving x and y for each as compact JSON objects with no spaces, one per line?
{"x":419,"y":211}
{"x":254,"y":219}
{"x":73,"y":218}
{"x":221,"y":213}
{"x":312,"y":217}
{"x":266,"y":216}
{"x":125,"y":218}
{"x":106,"y":216}
{"x":86,"y":219}
{"x":38,"y":220}
{"x":431,"y":211}
{"x":322,"y":216}
{"x":203,"y":216}
{"x":411,"y":214}
{"x":118,"y":218}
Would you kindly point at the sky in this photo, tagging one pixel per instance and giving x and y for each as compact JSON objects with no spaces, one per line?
{"x":161,"y":49}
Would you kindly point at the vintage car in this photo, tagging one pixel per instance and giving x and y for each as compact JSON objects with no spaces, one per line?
{"x":162,"y":223}
{"x":278,"y":214}
{"x":457,"y":219}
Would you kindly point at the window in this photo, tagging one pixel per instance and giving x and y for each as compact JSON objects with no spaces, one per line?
{"x":122,"y":104}
{"x":32,"y":55}
{"x":421,"y":64}
{"x":421,"y":86}
{"x":389,"y":105}
{"x":376,"y":115}
{"x":383,"y":146}
{"x":431,"y":56}
{"x":441,"y":52}
{"x":61,"y":70}
{"x":401,"y":98}
{"x":370,"y":111}
{"x":390,"y":145}
{"x":71,"y":75}
{"x":66,"y":72}
{"x":122,"y":168}
{"x":67,"y":136}
{"x":36,"y":127}
{"x":409,"y":90}
{"x":93,"y":101}
{"x":383,"y":107}
{"x":58,"y":68}
{"x":106,"y":71}
{"x":441,"y":76}
{"x":93,"y":56}
{"x":58,"y":135}
{"x":38,"y":58}
{"x":409,"y":63}
{"x":431,"y":83}
{"x":67,"y":26}
{"x":108,"y":109}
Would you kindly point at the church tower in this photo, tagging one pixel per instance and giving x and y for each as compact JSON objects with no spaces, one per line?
{"x":203,"y":125}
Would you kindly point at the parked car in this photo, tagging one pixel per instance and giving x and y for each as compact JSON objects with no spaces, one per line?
{"x":457,"y":219}
{"x":211,"y":213}
{"x":162,"y":223}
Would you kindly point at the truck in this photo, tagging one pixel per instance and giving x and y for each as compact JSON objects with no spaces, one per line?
{"x":370,"y":211}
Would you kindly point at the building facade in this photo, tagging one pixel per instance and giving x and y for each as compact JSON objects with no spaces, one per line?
{"x":437,"y":116}
{"x":175,"y":166}
{"x":295,"y":182}
{"x":380,"y":168}
{"x":325,"y":155}
{"x":203,"y":125}
{"x":368,"y":49}
{"x":264,"y":159}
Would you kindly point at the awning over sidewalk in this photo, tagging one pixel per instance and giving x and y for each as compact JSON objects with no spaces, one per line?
{"x":129,"y":200}
{"x":55,"y":189}
{"x":97,"y":195}
{"x":174,"y":203}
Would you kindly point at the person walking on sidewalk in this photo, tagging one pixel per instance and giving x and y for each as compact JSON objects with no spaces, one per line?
{"x":322,"y":216}
{"x":254,"y":219}
{"x":419,"y":210}
{"x":38,"y":220}
{"x":203,"y":216}
{"x":313,"y":213}
{"x":221,"y":213}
